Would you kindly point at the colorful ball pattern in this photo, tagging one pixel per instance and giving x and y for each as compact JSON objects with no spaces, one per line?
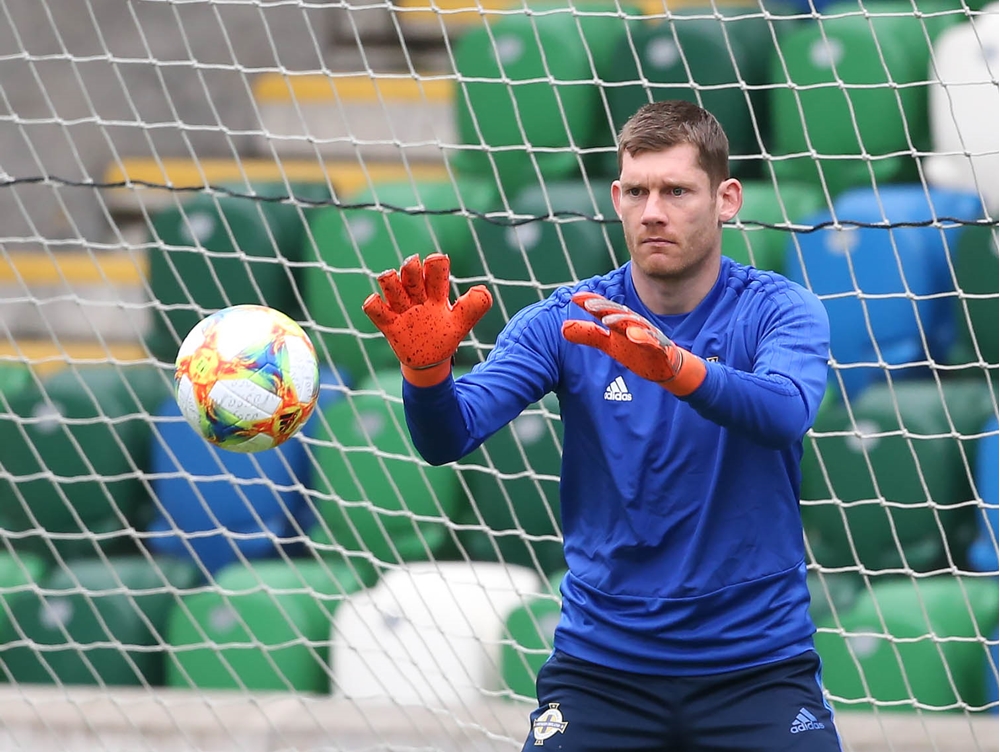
{"x":247,"y":378}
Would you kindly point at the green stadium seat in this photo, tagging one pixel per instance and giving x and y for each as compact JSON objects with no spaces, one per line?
{"x":212,"y":252}
{"x":81,"y":422}
{"x":371,"y":490}
{"x":19,"y":573}
{"x":260,"y":627}
{"x":354,"y":245}
{"x":718,"y":54}
{"x":14,"y":377}
{"x":516,"y":519}
{"x":530,"y":629}
{"x":874,"y":511}
{"x":528,"y":261}
{"x":832,"y":593}
{"x":978,"y":273}
{"x":911,"y":642}
{"x":124,"y":601}
{"x":763,"y":202}
{"x":533,"y":129}
{"x":854,"y":93}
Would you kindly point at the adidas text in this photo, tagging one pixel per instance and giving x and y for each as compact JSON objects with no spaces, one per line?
{"x":617,"y":391}
{"x":805,"y":721}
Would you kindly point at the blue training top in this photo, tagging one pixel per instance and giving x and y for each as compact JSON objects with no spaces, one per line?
{"x":680,"y":515}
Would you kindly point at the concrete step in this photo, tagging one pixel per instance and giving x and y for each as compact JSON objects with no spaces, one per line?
{"x":346,"y":176}
{"x":390,"y":117}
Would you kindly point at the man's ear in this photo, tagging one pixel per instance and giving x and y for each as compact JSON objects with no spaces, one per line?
{"x":730,"y":199}
{"x":616,"y":197}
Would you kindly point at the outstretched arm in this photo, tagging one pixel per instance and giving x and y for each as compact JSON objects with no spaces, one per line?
{"x":775,"y":404}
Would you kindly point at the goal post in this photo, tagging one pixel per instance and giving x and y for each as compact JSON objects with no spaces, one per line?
{"x":163,"y":159}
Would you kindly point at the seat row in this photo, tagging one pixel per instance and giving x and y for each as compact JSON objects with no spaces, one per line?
{"x":908,"y":273}
{"x":437,"y":634}
{"x":850,"y":98}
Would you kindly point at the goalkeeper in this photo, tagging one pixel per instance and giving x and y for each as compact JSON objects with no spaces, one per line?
{"x":686,"y":383}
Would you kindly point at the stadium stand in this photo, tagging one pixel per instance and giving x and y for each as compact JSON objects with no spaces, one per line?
{"x":430,"y":633}
{"x":890,"y":293}
{"x":885,"y":486}
{"x":391,"y":225}
{"x":391,"y":508}
{"x":272,"y":616}
{"x":964,"y":142}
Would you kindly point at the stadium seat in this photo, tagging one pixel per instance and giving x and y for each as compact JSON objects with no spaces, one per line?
{"x":842,"y":265}
{"x":20,"y":573}
{"x":765,"y":202}
{"x":428,"y":634}
{"x":977,"y":270}
{"x":212,"y":252}
{"x":261,"y":627}
{"x":76,"y":612}
{"x":239,"y":506}
{"x":869,"y":476}
{"x":676,"y":58}
{"x":845,"y":108}
{"x":964,"y":71}
{"x":832,"y":593}
{"x":370,"y":488}
{"x":533,"y":129}
{"x":527,"y":261}
{"x":911,"y":641}
{"x":76,"y":449}
{"x":350,"y":246}
{"x":14,"y":377}
{"x":983,"y":554}
{"x":530,"y":630}
{"x":515,"y":517}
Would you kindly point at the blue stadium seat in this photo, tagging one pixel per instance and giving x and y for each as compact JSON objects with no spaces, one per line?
{"x":845,"y":265}
{"x":251,"y":496}
{"x":983,"y":552}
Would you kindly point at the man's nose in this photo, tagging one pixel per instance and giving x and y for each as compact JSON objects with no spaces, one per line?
{"x":653,"y":210}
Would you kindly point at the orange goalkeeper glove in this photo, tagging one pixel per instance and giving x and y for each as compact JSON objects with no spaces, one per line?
{"x":422,"y":328}
{"x":635,"y":343}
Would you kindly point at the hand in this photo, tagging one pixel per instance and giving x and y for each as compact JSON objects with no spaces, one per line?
{"x":422,"y":328}
{"x":636,"y":343}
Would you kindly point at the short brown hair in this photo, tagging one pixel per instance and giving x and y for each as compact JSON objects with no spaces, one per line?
{"x":660,"y":125}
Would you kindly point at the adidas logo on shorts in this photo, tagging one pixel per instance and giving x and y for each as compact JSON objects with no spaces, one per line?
{"x":617,"y":391}
{"x":805,"y":721}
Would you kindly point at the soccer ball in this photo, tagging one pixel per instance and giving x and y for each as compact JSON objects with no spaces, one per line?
{"x":247,"y":378}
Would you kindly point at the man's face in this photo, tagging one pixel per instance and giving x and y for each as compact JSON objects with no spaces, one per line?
{"x":670,"y":212}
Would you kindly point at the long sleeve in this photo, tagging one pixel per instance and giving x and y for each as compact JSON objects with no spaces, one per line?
{"x":776,"y":403}
{"x":451,"y":419}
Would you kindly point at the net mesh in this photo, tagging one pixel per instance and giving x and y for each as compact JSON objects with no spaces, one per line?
{"x":163,"y":159}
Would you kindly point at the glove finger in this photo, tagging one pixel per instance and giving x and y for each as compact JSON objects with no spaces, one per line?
{"x":472,"y":306}
{"x":412,"y":276}
{"x":596,"y":304}
{"x":620,"y":322}
{"x":586,"y":333}
{"x":437,"y":277}
{"x":652,"y":334}
{"x":393,"y":291}
{"x":377,"y":311}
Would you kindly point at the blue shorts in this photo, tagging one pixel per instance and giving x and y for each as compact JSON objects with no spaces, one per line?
{"x":778,"y":707}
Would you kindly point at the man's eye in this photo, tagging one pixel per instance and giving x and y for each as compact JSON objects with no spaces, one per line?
{"x":677,"y":191}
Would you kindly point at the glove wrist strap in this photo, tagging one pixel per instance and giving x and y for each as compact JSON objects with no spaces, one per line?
{"x":429,"y":376}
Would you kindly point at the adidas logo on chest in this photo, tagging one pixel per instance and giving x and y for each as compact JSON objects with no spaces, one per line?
{"x":617,"y":391}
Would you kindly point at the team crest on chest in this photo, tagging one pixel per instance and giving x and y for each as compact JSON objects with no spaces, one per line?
{"x":548,"y":724}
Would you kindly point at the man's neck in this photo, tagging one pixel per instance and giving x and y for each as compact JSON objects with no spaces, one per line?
{"x":671,"y":296}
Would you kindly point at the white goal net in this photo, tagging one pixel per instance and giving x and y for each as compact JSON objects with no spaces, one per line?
{"x":163,"y":159}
